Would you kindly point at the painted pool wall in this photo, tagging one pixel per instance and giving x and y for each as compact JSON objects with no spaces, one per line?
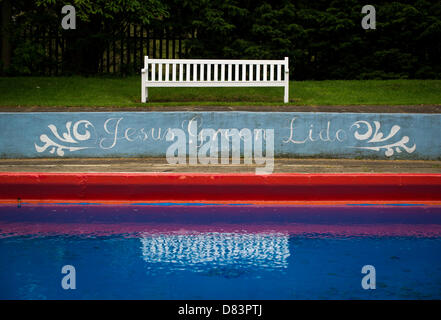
{"x":144,"y":134}
{"x":187,"y":187}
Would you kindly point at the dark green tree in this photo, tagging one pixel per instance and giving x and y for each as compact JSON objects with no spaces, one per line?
{"x":324,"y":39}
{"x":98,"y":21}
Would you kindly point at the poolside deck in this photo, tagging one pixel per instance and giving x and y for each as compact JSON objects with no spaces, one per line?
{"x":281,"y":165}
{"x":429,"y":109}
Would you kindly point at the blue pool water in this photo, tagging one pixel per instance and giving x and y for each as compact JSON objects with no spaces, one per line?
{"x":253,"y":259}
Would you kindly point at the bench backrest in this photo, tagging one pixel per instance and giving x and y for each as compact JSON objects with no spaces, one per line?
{"x":208,"y":70}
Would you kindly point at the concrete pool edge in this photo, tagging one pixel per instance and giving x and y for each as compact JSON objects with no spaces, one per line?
{"x":217,"y":188}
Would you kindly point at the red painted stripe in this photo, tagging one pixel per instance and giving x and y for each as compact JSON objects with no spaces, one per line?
{"x":220,"y":187}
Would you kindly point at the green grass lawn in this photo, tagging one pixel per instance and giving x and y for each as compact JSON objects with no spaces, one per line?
{"x":104,"y":91}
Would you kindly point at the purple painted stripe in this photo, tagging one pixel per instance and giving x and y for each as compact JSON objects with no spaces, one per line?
{"x":222,"y":214}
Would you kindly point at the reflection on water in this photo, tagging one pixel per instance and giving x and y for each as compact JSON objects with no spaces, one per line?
{"x":219,"y":265}
{"x":140,"y":252}
{"x":194,"y":251}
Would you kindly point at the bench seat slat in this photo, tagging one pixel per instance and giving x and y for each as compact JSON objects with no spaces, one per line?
{"x":153,"y":78}
{"x":202,"y":73}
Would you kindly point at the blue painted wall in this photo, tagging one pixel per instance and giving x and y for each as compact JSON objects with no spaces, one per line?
{"x":143,"y":134}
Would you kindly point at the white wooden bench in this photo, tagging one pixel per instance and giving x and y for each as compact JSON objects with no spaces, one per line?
{"x":214,"y":73}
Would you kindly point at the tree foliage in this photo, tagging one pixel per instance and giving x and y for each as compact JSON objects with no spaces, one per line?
{"x":97,"y":22}
{"x":323,"y":39}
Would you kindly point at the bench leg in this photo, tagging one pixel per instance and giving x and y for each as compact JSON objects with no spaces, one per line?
{"x":286,"y":97}
{"x":144,"y":94}
{"x":144,"y":91}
